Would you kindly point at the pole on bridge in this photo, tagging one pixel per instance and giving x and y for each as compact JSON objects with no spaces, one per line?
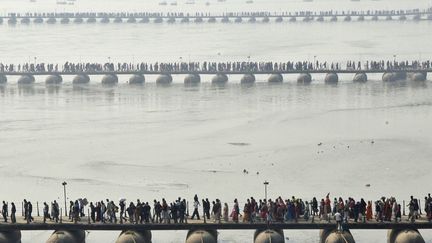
{"x":265,"y":189}
{"x":88,"y":216}
{"x":22,"y":208}
{"x":61,"y":216}
{"x":403,"y":207}
{"x":64,"y":193}
{"x":37,"y":206}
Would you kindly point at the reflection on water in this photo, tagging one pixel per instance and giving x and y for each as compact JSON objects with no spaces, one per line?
{"x":292,"y":92}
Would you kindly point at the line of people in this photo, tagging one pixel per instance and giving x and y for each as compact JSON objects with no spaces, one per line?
{"x":300,"y":13}
{"x":278,"y":210}
{"x":205,"y":66}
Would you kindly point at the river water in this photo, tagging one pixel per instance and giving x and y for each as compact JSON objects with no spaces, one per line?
{"x":153,"y":142}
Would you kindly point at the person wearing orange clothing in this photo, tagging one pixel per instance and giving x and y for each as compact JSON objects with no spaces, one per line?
{"x":369,"y":211}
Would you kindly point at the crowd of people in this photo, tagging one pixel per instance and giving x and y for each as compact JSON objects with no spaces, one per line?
{"x":300,"y":13}
{"x":244,"y":66}
{"x":279,"y":210}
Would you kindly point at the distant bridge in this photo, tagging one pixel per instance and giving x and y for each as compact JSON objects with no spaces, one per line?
{"x":240,"y":17}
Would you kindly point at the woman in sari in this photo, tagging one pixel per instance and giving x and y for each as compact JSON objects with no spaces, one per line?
{"x":225,"y":212}
{"x":235,"y":212}
{"x":369,"y":211}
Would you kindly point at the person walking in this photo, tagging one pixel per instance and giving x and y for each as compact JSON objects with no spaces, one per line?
{"x":46,"y":214}
{"x":122,"y":211}
{"x":235,"y":212}
{"x":92,"y":212}
{"x":13,"y":212}
{"x":217,"y":211}
{"x":196,"y":206}
{"x":29,"y":212}
{"x":5,"y":211}
{"x":131,"y":211}
{"x":369,"y":211}
{"x":182,"y":211}
{"x":56,"y":211}
{"x":338,"y":218}
{"x":206,"y":206}
{"x":225,"y":212}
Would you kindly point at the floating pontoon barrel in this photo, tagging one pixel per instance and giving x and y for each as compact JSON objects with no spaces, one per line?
{"x":131,"y":20}
{"x":25,"y":20}
{"x":417,"y":17}
{"x":91,"y":20}
{"x":361,"y":18}
{"x":192,"y":79}
{"x":26,"y":79}
{"x":238,"y":20}
{"x":347,"y":18}
{"x":252,"y":20}
{"x":400,"y":75}
{"x":220,"y":78}
{"x":130,"y":236}
{"x":10,"y":236}
{"x":394,"y":76}
{"x":389,"y":17}
{"x":279,"y":19}
{"x":198,"y":20}
{"x":375,"y":18}
{"x":247,"y":79}
{"x":12,"y":21}
{"x":225,"y":20}
{"x":266,"y":19}
{"x":402,"y":17}
{"x":54,"y":79}
{"x":292,"y":19}
{"x":320,"y":19}
{"x":404,"y":236}
{"x":64,"y":21}
{"x":212,"y":20}
{"x":105,"y":20}
{"x":1,"y":20}
{"x":78,"y":20}
{"x":118,"y":20}
{"x":144,"y":20}
{"x":388,"y":77}
{"x":184,"y":20}
{"x":269,"y":236}
{"x":360,"y":78}
{"x":331,"y":78}
{"x":51,"y":20}
{"x":137,"y":79}
{"x":81,"y":79}
{"x":334,"y":236}
{"x":304,"y":78}
{"x":201,"y":236}
{"x":275,"y":78}
{"x":63,"y":236}
{"x":158,"y":20}
{"x":417,"y":76}
{"x":164,"y":79}
{"x":333,"y":19}
{"x":171,"y":20}
{"x":110,"y":79}
{"x":38,"y":20}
